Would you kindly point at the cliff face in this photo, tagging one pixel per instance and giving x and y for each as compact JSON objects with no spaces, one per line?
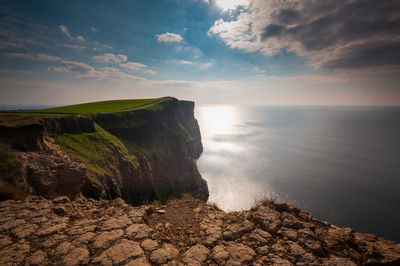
{"x":37,"y":231}
{"x":142,"y":155}
{"x":168,"y":137}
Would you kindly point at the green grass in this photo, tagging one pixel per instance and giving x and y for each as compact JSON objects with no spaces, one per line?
{"x":97,"y":150}
{"x":99,"y":107}
{"x":91,"y":108}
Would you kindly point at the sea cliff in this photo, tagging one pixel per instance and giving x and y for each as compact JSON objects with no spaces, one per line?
{"x":140,"y":155}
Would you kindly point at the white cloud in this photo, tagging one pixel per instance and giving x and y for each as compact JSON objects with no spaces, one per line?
{"x":94,"y":29}
{"x":169,"y":37}
{"x":73,"y":46}
{"x":69,"y":66}
{"x":109,"y":73}
{"x":202,"y":66}
{"x":100,"y":47}
{"x":65,"y":30}
{"x":133,"y":65}
{"x":110,"y":58}
{"x":205,"y":66}
{"x":39,"y":57}
{"x":84,"y":71}
{"x":149,"y":71}
{"x":181,"y":62}
{"x":80,"y":38}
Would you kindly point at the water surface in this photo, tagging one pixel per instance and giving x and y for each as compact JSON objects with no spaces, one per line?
{"x":340,"y":163}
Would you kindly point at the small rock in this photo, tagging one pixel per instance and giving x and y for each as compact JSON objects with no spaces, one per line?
{"x":60,"y":210}
{"x":14,"y":254}
{"x":196,"y":255}
{"x":51,"y":230}
{"x":142,"y":261}
{"x":240,"y":254}
{"x":288,"y":233}
{"x":85,"y":238}
{"x":5,"y":241}
{"x":77,"y":256}
{"x":116,"y":223}
{"x":219,"y":254}
{"x":61,"y":200}
{"x":102,"y":240}
{"x":237,"y":230}
{"x":164,"y":254}
{"x":38,"y":258}
{"x":290,"y":221}
{"x":138,"y":231}
{"x":268,"y":218}
{"x":161,"y":211}
{"x":149,"y":245}
{"x":120,"y":253}
{"x":336,"y":261}
{"x":63,"y":248}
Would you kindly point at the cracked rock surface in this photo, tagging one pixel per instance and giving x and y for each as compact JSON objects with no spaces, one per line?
{"x":36,"y":231}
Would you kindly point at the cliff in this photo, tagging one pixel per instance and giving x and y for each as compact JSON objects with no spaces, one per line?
{"x":141,"y":154}
{"x":36,"y":231}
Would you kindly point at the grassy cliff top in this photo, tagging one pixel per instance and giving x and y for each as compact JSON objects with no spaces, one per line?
{"x":95,"y":107}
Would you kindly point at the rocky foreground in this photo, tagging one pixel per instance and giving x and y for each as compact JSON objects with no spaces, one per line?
{"x":37,"y":231}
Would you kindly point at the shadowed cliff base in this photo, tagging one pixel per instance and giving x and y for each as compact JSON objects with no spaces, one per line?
{"x":140,"y":150}
{"x":36,"y":231}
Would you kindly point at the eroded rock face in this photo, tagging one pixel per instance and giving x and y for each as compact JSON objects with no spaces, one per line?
{"x":139,"y":155}
{"x":104,"y":232}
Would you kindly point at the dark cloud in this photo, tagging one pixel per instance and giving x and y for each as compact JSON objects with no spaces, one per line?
{"x":355,"y":33}
{"x":272,"y":30}
{"x":372,"y":54}
{"x":330,"y":34}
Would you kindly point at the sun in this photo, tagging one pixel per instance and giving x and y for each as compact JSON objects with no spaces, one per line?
{"x":225,"y":5}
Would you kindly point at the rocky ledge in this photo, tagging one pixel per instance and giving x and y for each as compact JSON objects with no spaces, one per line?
{"x":36,"y":231}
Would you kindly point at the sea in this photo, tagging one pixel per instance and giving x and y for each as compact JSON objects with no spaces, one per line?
{"x":341,"y":163}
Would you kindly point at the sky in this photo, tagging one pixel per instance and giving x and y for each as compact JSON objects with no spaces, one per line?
{"x":247,"y":52}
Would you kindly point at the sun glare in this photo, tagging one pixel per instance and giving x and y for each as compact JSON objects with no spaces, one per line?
{"x":218,"y":119}
{"x":225,"y":5}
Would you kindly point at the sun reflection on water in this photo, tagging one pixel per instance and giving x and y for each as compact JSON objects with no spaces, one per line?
{"x":219,"y":119}
{"x":217,"y":122}
{"x":225,"y":158}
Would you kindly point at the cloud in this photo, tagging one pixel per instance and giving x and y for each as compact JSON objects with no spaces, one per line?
{"x":205,"y":66}
{"x":100,"y":47}
{"x":75,"y":67}
{"x":80,"y":38}
{"x":330,"y":34}
{"x":84,"y":71}
{"x":39,"y":57}
{"x":17,"y":34}
{"x":73,"y":46}
{"x":94,"y":29}
{"x":110,"y":58}
{"x":149,"y":71}
{"x":133,"y":65}
{"x":137,"y":66}
{"x":202,"y":66}
{"x":169,"y":37}
{"x":109,"y":73}
{"x":181,"y":62}
{"x":65,"y":30}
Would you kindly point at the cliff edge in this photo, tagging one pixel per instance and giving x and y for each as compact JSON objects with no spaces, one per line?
{"x":139,"y":154}
{"x":36,"y":231}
